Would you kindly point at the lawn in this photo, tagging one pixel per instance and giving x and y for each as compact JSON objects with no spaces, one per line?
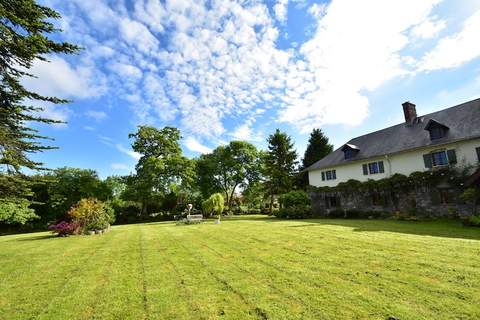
{"x":246,"y":268}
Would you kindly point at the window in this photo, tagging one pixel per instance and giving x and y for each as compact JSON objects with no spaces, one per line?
{"x":439,"y":158}
{"x":332,"y":202}
{"x":437,"y":133}
{"x":329,"y":175}
{"x":350,"y":153}
{"x":446,"y":196}
{"x":436,"y":129}
{"x":373,"y":168}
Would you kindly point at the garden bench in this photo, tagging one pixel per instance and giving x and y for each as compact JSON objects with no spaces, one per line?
{"x":194,"y":218}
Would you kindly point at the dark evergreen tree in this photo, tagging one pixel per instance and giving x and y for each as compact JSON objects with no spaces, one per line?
{"x":24,"y":30}
{"x":280,"y":164}
{"x":318,"y":147}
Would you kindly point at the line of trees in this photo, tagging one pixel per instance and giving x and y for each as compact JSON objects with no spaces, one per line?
{"x":164,"y":180}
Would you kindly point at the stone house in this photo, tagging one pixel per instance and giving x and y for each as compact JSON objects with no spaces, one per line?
{"x":444,"y":141}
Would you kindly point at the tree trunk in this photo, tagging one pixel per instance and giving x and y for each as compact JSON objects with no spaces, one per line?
{"x":271,"y":204}
{"x":229,"y":202}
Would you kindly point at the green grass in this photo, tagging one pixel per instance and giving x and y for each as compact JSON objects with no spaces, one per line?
{"x":246,"y":268}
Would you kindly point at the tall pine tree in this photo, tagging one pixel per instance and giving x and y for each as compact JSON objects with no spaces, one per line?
{"x":318,"y":147}
{"x":24,"y":30}
{"x":280,"y":162}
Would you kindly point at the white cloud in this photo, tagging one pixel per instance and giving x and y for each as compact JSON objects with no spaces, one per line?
{"x":247,"y":133}
{"x":120,"y":166}
{"x":55,"y":112}
{"x":137,"y":34}
{"x":88,"y":128}
{"x":196,"y":65}
{"x":129,"y":152}
{"x":428,"y":28}
{"x":280,"y":9}
{"x":455,"y":50}
{"x":58,"y":78}
{"x":194,"y":145}
{"x":317,"y":10}
{"x":96,"y":115}
{"x":126,"y":70}
{"x":356,"y":48}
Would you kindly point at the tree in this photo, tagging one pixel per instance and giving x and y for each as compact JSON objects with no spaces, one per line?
{"x":63,"y":187}
{"x":161,"y":165}
{"x":471,"y":196}
{"x":24,"y":30}
{"x":318,"y":147}
{"x":227,"y":168}
{"x":280,"y":161}
{"x":214,"y":204}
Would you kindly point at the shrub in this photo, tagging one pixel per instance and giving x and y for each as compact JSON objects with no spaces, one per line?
{"x":16,"y":212}
{"x":336,"y":213}
{"x":126,"y":211}
{"x":213,"y":205}
{"x":294,"y":199}
{"x":254,"y":211}
{"x":296,"y":212}
{"x":355,"y":214}
{"x":472,"y":221}
{"x":64,"y":228}
{"x":91,"y":214}
{"x":471,"y":196}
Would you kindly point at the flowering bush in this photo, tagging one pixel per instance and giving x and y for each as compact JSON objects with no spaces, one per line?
{"x":91,"y":214}
{"x":64,"y":228}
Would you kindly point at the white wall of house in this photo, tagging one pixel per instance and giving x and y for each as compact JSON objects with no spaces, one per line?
{"x":403,"y":163}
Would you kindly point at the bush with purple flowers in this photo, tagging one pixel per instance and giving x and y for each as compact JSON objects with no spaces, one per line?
{"x":64,"y":228}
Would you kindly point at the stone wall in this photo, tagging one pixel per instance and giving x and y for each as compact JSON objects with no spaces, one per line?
{"x":442,"y":201}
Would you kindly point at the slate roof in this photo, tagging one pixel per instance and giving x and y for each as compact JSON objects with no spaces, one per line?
{"x":462,"y":120}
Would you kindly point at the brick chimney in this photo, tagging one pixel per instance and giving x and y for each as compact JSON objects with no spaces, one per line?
{"x":409,"y":111}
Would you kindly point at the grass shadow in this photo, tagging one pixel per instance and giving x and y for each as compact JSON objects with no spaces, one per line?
{"x":42,"y":237}
{"x":436,"y":228}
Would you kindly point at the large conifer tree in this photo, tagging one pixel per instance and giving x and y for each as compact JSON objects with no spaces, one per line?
{"x":280,"y":162}
{"x":24,"y":30}
{"x":318,"y":147}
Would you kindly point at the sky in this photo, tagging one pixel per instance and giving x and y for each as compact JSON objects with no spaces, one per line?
{"x":237,"y":70}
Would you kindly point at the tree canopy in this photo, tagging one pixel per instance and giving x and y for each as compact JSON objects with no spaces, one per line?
{"x":161,"y":167}
{"x":227,"y":168}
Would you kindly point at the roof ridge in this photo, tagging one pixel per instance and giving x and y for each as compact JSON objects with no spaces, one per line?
{"x":399,"y":124}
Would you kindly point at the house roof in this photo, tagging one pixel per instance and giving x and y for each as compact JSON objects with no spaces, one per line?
{"x":462,"y":120}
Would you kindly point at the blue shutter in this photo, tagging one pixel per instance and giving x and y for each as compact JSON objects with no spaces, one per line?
{"x":452,"y":156}
{"x":323,"y":176}
{"x":478,"y":153}
{"x":365,"y":170}
{"x":381,"y":168}
{"x":427,"y":159}
{"x":334,"y":174}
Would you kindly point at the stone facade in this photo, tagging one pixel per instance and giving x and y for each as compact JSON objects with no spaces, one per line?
{"x":441,"y":201}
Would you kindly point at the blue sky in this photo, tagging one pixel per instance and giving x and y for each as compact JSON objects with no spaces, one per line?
{"x":223,"y":70}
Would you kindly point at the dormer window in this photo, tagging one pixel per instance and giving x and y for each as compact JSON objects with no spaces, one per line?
{"x":350,"y":151}
{"x":436,"y":129}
